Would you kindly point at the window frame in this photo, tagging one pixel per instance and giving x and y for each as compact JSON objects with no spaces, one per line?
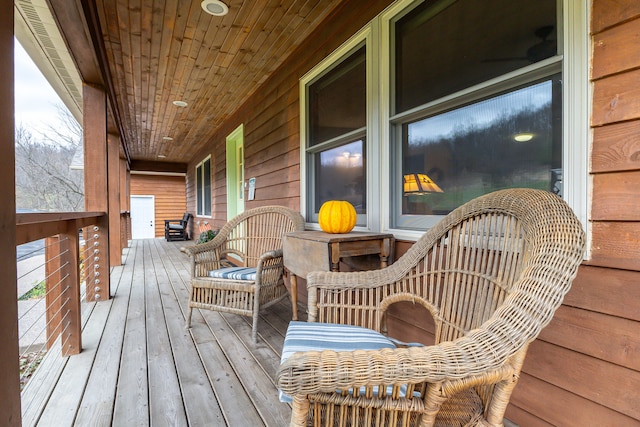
{"x":576,"y":108}
{"x":366,"y":221}
{"x":201,"y":209}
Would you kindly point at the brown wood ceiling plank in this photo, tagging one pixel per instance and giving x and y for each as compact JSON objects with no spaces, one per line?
{"x":162,"y":51}
{"x":255,"y":18}
{"x":243,"y":87}
{"x":168,"y":47}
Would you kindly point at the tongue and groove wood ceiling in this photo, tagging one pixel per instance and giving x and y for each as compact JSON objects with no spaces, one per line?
{"x":160,"y":51}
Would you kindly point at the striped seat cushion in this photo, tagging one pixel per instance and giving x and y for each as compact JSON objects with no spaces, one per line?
{"x":303,"y":336}
{"x":235,"y":273}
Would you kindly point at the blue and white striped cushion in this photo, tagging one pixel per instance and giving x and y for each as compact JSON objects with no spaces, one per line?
{"x":235,"y":273}
{"x":303,"y":336}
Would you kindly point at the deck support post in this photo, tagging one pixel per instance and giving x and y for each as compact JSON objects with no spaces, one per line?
{"x":113,"y":166}
{"x":70,"y":297}
{"x":9,"y":366}
{"x":124,"y":204}
{"x":96,"y":189}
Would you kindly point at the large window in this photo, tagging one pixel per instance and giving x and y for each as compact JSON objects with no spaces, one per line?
{"x":203,"y":187}
{"x":478,"y":104}
{"x":446,"y":100}
{"x":336,"y":138}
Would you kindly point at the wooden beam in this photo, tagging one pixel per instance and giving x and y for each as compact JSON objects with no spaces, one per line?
{"x":79,"y":26}
{"x":9,"y":367}
{"x":96,"y":189}
{"x":71,"y":22}
{"x":113,"y":165}
{"x":124,"y":204}
{"x":160,"y":167}
{"x":72,"y":313}
{"x":30,"y":227}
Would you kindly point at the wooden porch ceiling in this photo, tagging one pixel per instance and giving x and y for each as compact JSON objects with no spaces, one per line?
{"x":157,"y":52}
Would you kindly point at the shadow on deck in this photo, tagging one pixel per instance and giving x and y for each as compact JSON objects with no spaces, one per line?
{"x":140,"y":366}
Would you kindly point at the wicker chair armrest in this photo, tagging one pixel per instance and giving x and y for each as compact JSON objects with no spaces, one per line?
{"x":211,"y":245}
{"x":347,"y":280}
{"x":271,"y":255}
{"x":327,"y":371}
{"x":268,"y":262}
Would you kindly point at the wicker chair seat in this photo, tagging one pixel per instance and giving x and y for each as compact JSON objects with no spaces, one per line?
{"x":235,"y":273}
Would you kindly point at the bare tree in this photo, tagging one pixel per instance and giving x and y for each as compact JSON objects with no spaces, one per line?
{"x":44,"y":179}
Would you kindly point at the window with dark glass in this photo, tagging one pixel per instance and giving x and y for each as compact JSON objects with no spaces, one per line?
{"x":477,"y":104}
{"x":336,"y":141}
{"x":203,"y":188}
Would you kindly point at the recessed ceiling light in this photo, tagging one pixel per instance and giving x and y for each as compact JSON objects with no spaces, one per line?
{"x":214,"y":7}
{"x":167,"y":138}
{"x":161,"y":156}
{"x":180,"y":103}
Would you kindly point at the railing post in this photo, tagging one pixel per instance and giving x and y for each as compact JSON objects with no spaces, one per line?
{"x":96,"y":188}
{"x":53,"y":284}
{"x":70,"y":271}
{"x":9,"y":366}
{"x":113,"y":190}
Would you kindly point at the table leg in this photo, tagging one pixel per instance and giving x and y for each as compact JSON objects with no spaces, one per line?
{"x":294,"y":295}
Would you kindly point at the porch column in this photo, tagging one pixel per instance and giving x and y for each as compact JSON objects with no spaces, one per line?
{"x":113,"y":164}
{"x":124,"y":203}
{"x":9,"y":367}
{"x":96,"y":189}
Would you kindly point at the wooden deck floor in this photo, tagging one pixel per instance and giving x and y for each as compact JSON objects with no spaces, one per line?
{"x":139,"y":366}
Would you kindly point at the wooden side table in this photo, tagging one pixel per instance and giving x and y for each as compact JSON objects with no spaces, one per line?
{"x":307,"y":251}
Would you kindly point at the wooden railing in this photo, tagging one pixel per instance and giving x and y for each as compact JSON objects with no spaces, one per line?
{"x":71,"y":274}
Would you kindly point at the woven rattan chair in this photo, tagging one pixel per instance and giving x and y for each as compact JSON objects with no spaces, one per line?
{"x":491,"y":273}
{"x":255,"y":239}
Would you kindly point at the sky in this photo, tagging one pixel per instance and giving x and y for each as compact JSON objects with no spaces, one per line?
{"x":35,"y":100}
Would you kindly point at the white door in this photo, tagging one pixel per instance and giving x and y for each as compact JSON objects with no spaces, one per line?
{"x":143,"y":217}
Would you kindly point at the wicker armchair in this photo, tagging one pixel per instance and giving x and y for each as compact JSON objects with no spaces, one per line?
{"x":255,"y":239}
{"x":491,"y":273}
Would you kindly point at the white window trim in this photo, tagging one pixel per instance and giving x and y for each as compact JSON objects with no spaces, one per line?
{"x":577,"y":105}
{"x":199,"y":214}
{"x":364,"y":36}
{"x":577,"y":99}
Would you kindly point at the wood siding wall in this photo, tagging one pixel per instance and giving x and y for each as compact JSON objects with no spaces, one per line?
{"x":170,"y":196}
{"x":584,"y":370}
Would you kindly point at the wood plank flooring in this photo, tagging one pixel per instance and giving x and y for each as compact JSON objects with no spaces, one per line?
{"x":140,"y":366}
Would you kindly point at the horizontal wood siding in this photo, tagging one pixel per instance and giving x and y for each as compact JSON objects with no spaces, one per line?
{"x":169,"y":192}
{"x":584,"y":369}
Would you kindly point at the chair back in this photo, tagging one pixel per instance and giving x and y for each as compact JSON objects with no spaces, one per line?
{"x":185,"y":219}
{"x":502,"y":262}
{"x":258,"y":230}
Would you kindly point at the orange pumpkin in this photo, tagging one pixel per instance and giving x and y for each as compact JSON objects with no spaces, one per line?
{"x":337,"y":216}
